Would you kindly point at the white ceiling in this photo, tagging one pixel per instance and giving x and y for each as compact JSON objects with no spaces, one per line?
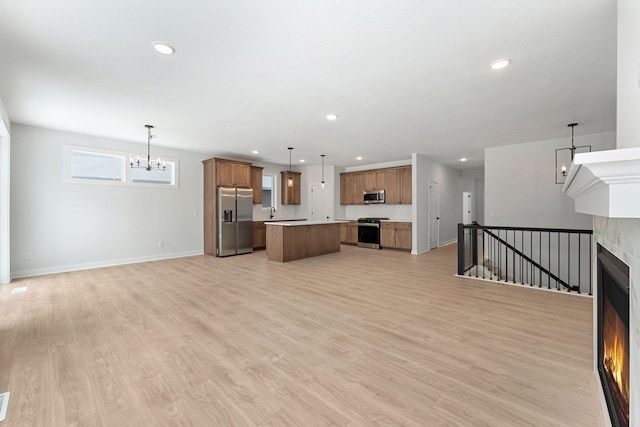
{"x":404,"y":76}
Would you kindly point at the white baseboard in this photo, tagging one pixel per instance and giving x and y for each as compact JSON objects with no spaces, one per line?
{"x":100,"y":264}
{"x":449,"y":242}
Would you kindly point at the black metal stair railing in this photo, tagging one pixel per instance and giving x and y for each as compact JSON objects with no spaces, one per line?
{"x":553,"y":258}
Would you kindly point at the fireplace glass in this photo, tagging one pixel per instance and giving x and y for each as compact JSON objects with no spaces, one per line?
{"x":613,"y":334}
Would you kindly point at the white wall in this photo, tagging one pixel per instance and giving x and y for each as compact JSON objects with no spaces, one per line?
{"x":520,"y":188}
{"x":68,"y":226}
{"x":473,"y":182}
{"x":5,"y":191}
{"x":450,"y":191}
{"x":628,"y":105}
{"x":420,"y":203}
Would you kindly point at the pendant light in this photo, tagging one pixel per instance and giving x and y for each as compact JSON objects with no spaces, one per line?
{"x":135,"y":164}
{"x":322,"y":158}
{"x":290,"y":179}
{"x":564,"y":156}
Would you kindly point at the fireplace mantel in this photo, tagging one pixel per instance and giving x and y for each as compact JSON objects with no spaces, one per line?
{"x":606,"y":183}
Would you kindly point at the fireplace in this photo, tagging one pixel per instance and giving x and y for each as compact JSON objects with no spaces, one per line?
{"x":613,"y":334}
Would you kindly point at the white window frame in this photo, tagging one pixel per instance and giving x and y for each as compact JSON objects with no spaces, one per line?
{"x":127,"y":179}
{"x":274,"y":192}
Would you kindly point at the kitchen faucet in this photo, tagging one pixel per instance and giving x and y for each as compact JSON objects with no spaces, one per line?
{"x":272,"y":212}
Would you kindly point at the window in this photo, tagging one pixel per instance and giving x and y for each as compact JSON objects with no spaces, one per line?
{"x":104,"y":167}
{"x":268,"y":192}
{"x":85,"y":165}
{"x":154,"y":176}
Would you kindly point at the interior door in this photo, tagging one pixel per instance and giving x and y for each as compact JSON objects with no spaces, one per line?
{"x":466,"y":208}
{"x":321,"y":205}
{"x":434,"y":215}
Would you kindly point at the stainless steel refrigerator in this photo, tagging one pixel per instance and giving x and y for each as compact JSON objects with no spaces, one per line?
{"x":235,"y":216}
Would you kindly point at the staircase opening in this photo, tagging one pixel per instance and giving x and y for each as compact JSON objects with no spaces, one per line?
{"x":613,"y":334}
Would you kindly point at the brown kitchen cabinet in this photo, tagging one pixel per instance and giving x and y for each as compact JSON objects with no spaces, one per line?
{"x":403,"y":235}
{"x":256,"y":184}
{"x":290,"y":195}
{"x":349,"y":232}
{"x":232,"y":173}
{"x":395,"y":181}
{"x":395,"y":235}
{"x":405,"y":186}
{"x":392,"y":191}
{"x":375,"y":180}
{"x":356,"y":189}
{"x":259,"y":235}
{"x":387,"y":234}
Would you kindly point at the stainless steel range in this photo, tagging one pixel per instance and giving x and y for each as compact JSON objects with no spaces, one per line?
{"x":369,"y":232}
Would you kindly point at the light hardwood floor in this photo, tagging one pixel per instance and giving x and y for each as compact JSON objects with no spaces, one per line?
{"x":356,"y":338}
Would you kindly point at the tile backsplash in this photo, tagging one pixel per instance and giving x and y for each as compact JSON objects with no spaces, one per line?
{"x":397,"y":212}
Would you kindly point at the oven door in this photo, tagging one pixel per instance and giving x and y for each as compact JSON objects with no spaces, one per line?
{"x":369,"y":235}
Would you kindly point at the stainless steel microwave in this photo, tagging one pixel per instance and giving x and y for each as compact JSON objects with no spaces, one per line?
{"x":373,"y":197}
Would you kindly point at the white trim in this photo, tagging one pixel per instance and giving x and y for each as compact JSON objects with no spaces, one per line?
{"x":101,"y":264}
{"x":5,"y":203}
{"x":606,"y":183}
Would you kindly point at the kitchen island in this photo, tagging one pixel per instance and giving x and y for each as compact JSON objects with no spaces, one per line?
{"x":288,"y":241}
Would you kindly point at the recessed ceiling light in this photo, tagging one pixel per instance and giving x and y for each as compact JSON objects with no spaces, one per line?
{"x":332,"y":117}
{"x":499,"y":64}
{"x":463,"y":159}
{"x":301,"y":160}
{"x":359,"y":158}
{"x":255,"y":152}
{"x":163,"y":48}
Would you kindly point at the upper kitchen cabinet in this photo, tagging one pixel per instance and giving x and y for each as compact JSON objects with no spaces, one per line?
{"x":232,"y":173}
{"x":405,"y":185}
{"x":395,"y":181}
{"x":256,"y":184}
{"x":375,"y":180}
{"x":290,"y":195}
{"x":392,"y":193}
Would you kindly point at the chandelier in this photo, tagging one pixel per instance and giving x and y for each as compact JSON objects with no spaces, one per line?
{"x":158,"y":166}
{"x":564,"y":157}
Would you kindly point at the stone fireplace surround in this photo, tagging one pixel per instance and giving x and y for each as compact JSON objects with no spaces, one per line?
{"x":606,"y":184}
{"x":621,"y":236}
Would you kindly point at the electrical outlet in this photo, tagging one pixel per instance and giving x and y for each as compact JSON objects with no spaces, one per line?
{"x":195,"y":213}
{"x":29,"y":255}
{"x":161,"y":243}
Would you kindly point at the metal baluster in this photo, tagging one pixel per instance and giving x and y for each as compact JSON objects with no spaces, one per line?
{"x":540,"y":258}
{"x":579,"y":260}
{"x":506,"y":256}
{"x":531,"y":257}
{"x":558,"y":275}
{"x":569,"y":261}
{"x":590,"y":264}
{"x":514,"y":257}
{"x":548,"y":276}
{"x":483,"y":254}
{"x":521,"y":259}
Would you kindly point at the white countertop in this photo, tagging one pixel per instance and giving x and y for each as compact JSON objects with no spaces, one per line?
{"x":299,"y":223}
